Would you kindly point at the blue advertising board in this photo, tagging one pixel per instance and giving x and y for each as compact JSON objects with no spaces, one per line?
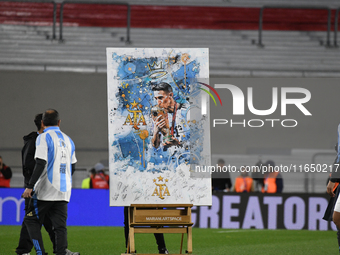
{"x":86,"y":208}
{"x":229,"y":210}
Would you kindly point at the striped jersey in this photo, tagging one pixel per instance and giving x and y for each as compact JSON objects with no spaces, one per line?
{"x":58,"y":150}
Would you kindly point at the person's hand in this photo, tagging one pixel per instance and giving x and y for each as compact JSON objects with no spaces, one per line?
{"x":159,"y":123}
{"x":173,"y":142}
{"x":27,"y":193}
{"x":330,"y":187}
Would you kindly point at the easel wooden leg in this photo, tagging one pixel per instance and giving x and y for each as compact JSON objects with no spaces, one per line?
{"x":128,"y":246}
{"x":189,"y":240}
{"x":132,"y":240}
{"x":180,"y":251}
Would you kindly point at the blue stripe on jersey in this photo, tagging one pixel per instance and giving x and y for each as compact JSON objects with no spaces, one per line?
{"x":62,"y":168}
{"x":37,"y":142}
{"x":37,"y":247}
{"x":35,"y":205}
{"x":50,"y":157}
{"x":60,"y":135}
{"x":63,"y":177}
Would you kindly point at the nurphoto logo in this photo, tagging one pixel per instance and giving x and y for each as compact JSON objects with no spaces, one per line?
{"x":204,"y":100}
{"x":285,"y":99}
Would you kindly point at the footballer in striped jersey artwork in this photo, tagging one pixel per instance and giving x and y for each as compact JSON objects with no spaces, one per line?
{"x":157,"y":131}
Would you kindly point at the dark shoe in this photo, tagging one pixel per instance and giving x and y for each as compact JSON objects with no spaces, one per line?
{"x":163,"y":251}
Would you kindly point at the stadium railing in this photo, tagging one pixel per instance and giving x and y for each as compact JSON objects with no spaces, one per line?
{"x":336,"y":20}
{"x":95,"y":2}
{"x":328,"y":44}
{"x":54,"y":12}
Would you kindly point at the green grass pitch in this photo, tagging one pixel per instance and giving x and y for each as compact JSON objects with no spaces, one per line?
{"x":110,"y":240}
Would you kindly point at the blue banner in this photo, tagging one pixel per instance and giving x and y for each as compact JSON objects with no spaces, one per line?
{"x":87,"y":207}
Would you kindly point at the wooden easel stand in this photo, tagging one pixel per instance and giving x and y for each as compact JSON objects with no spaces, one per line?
{"x":160,"y":218}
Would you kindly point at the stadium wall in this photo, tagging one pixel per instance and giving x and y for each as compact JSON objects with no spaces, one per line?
{"x":230,"y":211}
{"x":81,"y":99}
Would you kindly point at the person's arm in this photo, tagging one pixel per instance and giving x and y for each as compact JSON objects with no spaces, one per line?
{"x":28,"y":157}
{"x":330,"y":187}
{"x":158,"y":123}
{"x":7,"y":172}
{"x":73,"y":168}
{"x":173,"y":141}
{"x":38,"y":169}
{"x":279,"y":185}
{"x":335,"y":175}
{"x":156,"y":139}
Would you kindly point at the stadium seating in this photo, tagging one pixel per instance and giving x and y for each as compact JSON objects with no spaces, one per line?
{"x":228,"y":29}
{"x":286,"y":53}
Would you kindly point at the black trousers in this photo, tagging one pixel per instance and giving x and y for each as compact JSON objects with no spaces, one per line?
{"x":25,"y":242}
{"x":328,"y":216}
{"x":159,"y":237}
{"x":38,"y":210}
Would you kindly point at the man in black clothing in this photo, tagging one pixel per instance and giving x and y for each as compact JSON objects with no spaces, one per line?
{"x":220,"y":184}
{"x":28,"y":162}
{"x":159,"y":236}
{"x":28,"y":151}
{"x":332,"y":212}
{"x":328,"y":216}
{"x":335,"y":177}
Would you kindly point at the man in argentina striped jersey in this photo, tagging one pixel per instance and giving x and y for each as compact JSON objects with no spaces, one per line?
{"x":51,"y":182}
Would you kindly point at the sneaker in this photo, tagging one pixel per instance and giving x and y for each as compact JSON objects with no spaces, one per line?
{"x":163,"y":251}
{"x":25,"y":254}
{"x":68,"y":252}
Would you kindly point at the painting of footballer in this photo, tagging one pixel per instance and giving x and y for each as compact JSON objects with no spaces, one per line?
{"x":167,"y":109}
{"x":154,"y":116}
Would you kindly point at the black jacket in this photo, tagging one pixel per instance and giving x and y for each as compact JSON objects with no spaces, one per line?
{"x":27,"y":154}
